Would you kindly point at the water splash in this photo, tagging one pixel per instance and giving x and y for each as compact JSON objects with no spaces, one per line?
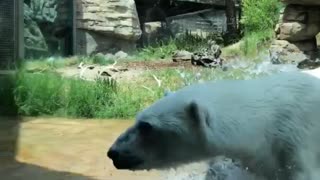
{"x":238,"y":68}
{"x":194,"y":171}
{"x":264,"y":67}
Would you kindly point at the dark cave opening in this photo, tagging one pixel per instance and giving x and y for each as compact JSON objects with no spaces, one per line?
{"x":160,"y":10}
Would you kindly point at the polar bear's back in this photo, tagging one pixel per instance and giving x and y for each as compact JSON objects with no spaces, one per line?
{"x":287,"y":81}
{"x":288,"y":100}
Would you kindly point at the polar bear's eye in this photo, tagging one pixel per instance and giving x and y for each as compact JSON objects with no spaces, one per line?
{"x":144,"y":127}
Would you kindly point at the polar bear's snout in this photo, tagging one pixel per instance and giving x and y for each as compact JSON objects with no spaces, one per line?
{"x":123,"y":153}
{"x":122,"y":159}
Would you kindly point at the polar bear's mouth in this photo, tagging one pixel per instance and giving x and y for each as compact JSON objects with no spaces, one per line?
{"x":124,"y":161}
{"x":129,"y":164}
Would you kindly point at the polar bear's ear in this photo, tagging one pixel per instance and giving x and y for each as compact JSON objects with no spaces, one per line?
{"x":197,"y":112}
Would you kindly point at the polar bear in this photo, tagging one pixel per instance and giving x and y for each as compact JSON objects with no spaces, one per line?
{"x":271,"y":124}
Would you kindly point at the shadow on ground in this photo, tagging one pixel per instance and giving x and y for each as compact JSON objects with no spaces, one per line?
{"x":10,"y":168}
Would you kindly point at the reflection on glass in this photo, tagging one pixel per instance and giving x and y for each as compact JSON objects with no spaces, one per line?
{"x":47,"y":28}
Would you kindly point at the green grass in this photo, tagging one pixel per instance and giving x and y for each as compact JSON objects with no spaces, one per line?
{"x":250,"y":45}
{"x":255,"y":42}
{"x":155,"y":52}
{"x":49,"y":94}
{"x":258,"y":21}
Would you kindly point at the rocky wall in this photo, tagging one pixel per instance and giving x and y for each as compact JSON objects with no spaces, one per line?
{"x":299,"y":25}
{"x":47,"y":28}
{"x":106,"y":26}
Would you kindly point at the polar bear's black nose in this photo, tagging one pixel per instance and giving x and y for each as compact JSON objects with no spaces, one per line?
{"x":123,"y":160}
{"x":113,"y":154}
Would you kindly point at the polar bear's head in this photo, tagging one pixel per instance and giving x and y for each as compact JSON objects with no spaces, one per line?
{"x":168,"y":133}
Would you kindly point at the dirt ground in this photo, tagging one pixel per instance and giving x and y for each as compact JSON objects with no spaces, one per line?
{"x":61,"y":149}
{"x":130,"y":70}
{"x":159,"y":64}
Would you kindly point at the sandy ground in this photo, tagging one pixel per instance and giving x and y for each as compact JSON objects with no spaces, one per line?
{"x":61,"y":149}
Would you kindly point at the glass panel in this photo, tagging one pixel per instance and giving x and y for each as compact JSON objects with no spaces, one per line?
{"x":6,"y":32}
{"x":48,"y":28}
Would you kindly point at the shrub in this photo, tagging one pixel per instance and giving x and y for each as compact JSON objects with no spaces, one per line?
{"x":260,"y":15}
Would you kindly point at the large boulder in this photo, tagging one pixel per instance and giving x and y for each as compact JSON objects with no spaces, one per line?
{"x":91,"y":42}
{"x":299,"y":24}
{"x":284,"y":52}
{"x":303,"y":14}
{"x":106,"y":26}
{"x":296,"y":31}
{"x":115,"y":18}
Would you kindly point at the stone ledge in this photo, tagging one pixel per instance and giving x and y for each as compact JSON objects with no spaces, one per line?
{"x":302,"y":2}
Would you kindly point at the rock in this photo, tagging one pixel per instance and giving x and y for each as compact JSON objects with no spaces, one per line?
{"x":299,"y":24}
{"x":309,"y":64}
{"x":117,"y":18}
{"x":209,"y":56}
{"x":302,"y":2}
{"x":181,"y":56}
{"x":297,"y":47}
{"x":296,"y":31}
{"x":90,"y":42}
{"x":215,"y":49}
{"x":283,"y":52}
{"x":120,"y":55}
{"x":106,"y":26}
{"x":306,"y":45}
{"x":303,"y":14}
{"x":206,"y":60}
